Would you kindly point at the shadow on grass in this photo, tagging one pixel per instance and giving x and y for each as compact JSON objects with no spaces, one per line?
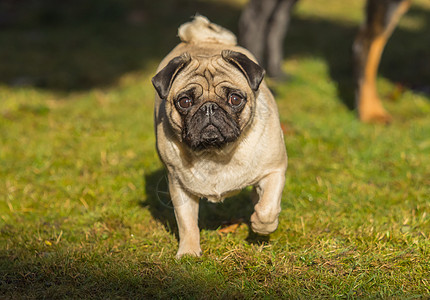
{"x":96,"y":276}
{"x":212,"y":216}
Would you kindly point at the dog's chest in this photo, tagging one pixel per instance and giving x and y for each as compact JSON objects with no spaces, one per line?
{"x":216,"y":181}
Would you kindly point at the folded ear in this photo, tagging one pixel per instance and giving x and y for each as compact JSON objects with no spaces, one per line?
{"x":162,"y":81}
{"x":252,"y":71}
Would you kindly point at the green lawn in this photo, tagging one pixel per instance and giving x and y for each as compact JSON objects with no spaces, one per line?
{"x":83,"y":213}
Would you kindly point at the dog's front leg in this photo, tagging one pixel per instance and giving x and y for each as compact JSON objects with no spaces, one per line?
{"x":186,"y":212}
{"x":264,"y":220}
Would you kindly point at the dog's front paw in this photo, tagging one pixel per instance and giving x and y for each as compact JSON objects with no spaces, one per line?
{"x":265,"y":226}
{"x":188,"y":251}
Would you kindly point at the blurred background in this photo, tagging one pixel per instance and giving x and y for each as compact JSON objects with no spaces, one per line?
{"x":78,"y":45}
{"x":75,"y":45}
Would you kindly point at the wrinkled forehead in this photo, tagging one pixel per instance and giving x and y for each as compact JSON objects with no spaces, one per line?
{"x":209,"y":74}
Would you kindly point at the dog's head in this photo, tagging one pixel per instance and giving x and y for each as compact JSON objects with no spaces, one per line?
{"x":209,"y":100}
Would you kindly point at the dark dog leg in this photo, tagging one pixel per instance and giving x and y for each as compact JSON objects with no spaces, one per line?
{"x":253,"y":25}
{"x":382,"y":17}
{"x":262,"y":28}
{"x":276,"y":31}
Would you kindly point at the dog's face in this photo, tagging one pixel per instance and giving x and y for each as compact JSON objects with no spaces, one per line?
{"x":209,"y":100}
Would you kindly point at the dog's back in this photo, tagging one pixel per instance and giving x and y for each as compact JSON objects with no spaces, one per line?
{"x":202,"y":30}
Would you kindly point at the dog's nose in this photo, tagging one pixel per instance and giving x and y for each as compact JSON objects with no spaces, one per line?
{"x":209,"y":108}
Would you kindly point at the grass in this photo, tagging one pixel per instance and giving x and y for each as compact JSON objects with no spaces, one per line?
{"x":82,"y":213}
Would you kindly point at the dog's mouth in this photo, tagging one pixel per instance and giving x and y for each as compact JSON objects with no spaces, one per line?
{"x":211,"y":137}
{"x":211,"y":127}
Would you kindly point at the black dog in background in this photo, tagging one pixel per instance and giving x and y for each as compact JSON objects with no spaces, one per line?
{"x":264,"y":23}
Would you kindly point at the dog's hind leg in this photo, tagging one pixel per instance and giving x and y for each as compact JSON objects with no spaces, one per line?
{"x":382,"y":17}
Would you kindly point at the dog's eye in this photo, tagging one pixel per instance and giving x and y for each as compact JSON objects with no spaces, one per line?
{"x":185,"y":102}
{"x":235,"y":99}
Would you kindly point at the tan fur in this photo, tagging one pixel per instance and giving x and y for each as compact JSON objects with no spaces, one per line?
{"x":257,"y":158}
{"x":201,"y":30}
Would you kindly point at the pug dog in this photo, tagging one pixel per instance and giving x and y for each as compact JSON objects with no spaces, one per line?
{"x":217,"y":129}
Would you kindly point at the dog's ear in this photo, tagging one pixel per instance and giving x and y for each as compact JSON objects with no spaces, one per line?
{"x":162,"y":81}
{"x":252,"y":71}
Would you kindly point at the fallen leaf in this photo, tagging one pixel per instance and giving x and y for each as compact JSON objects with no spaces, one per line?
{"x":228,"y":229}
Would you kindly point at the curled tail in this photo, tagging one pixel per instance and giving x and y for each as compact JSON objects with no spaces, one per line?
{"x":202,"y":30}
